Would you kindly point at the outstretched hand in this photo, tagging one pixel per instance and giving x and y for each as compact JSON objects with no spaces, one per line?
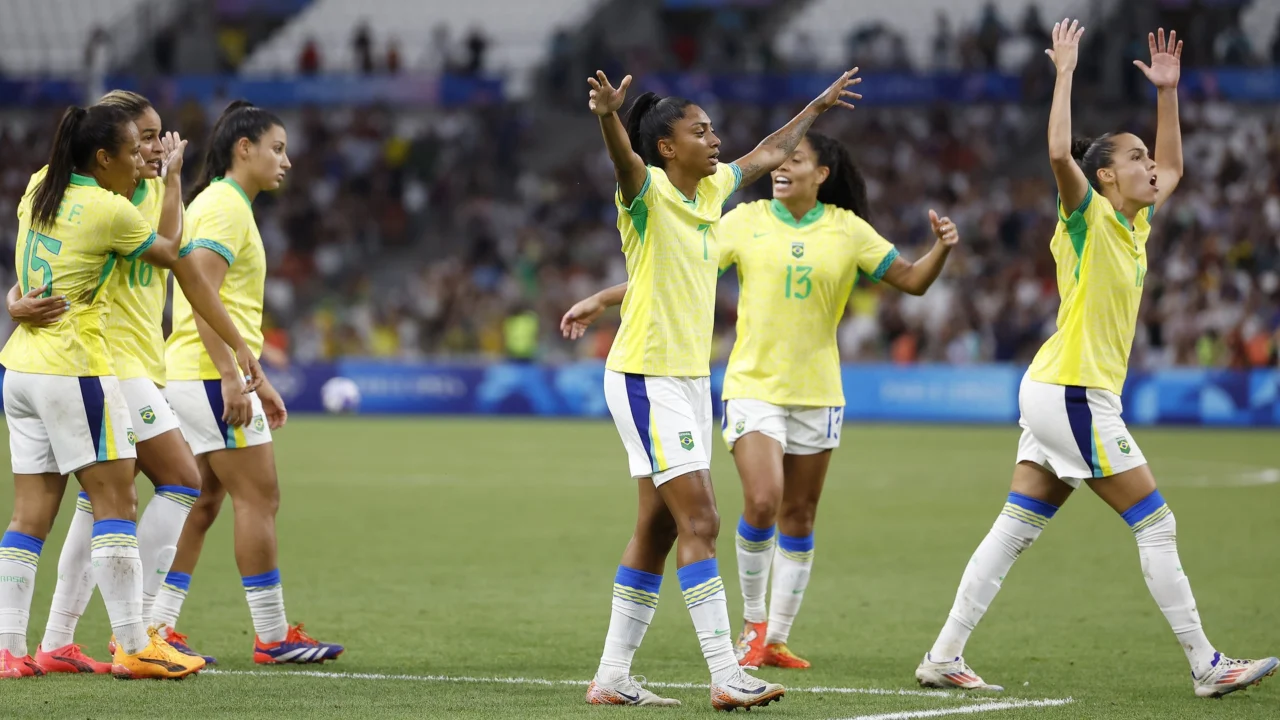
{"x":174,"y":149}
{"x":838,"y":92}
{"x":1166,"y":60}
{"x":604,"y":97}
{"x":574,"y":324}
{"x":1066,"y":45}
{"x":944,"y":230}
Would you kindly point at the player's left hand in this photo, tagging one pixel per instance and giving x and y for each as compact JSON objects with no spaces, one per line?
{"x":273,"y":406}
{"x":839,"y":93}
{"x":944,"y":230}
{"x":1166,"y":60}
{"x":253,"y":375}
{"x":174,"y":149}
{"x":575,"y":322}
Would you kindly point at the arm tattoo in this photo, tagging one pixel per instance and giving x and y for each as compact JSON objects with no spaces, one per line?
{"x":783,"y":142}
{"x":786,"y":139}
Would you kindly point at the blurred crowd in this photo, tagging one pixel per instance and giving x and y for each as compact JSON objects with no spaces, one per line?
{"x":403,"y":236}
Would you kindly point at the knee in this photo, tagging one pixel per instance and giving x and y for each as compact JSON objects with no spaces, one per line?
{"x":704,"y":522}
{"x":658,"y":529}
{"x":796,"y":519}
{"x":264,"y":502}
{"x":760,"y":506}
{"x":205,"y":512}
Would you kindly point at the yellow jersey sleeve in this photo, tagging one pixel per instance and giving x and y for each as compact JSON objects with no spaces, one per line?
{"x":875,"y":254}
{"x":221,"y":233}
{"x":732,"y":226}
{"x":131,"y":234}
{"x":726,"y":181}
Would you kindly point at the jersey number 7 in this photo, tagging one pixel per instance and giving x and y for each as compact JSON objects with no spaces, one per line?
{"x":33,"y":261}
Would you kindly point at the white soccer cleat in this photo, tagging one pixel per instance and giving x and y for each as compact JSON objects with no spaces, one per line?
{"x":744,"y":691}
{"x":628,"y":691}
{"x":1228,"y":675}
{"x":953,"y":674}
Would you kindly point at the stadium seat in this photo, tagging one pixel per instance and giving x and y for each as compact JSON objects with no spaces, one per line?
{"x":47,"y":38}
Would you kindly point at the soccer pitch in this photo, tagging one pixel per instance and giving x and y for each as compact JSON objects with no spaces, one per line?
{"x":467,"y":565}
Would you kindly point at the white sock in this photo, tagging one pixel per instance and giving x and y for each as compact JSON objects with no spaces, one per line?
{"x":168,"y":604}
{"x":793,"y":562}
{"x":266,"y":605}
{"x":704,"y":595}
{"x":117,"y":570}
{"x":635,"y":599}
{"x":75,"y":580}
{"x":755,"y":554}
{"x":1157,"y":534}
{"x":158,"y":532}
{"x":1018,"y":525}
{"x":19,"y":558}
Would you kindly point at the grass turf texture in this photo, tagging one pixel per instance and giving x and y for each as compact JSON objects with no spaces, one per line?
{"x":487,"y":548}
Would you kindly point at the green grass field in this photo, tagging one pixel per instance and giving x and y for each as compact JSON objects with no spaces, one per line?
{"x":451,"y":556}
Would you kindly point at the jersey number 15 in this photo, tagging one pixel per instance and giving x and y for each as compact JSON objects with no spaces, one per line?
{"x":32,"y":261}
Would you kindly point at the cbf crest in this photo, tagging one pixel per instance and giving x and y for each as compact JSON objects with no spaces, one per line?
{"x":259,"y":423}
{"x":686,"y":440}
{"x":739,"y":426}
{"x":1123,"y":444}
{"x":797,"y":250}
{"x":133,"y":438}
{"x":148,"y":415}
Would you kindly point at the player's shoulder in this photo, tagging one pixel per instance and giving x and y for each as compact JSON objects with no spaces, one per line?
{"x":847,"y":221}
{"x":747,"y":211}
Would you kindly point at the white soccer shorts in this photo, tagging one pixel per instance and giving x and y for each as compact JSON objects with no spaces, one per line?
{"x":1075,"y":432}
{"x":60,"y":424}
{"x":198,"y":405}
{"x":664,"y":422}
{"x":149,"y":410}
{"x":798,"y":429}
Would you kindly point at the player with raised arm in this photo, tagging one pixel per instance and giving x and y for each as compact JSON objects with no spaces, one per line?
{"x":228,"y":430}
{"x":797,"y":257}
{"x":63,"y":404}
{"x":136,"y":292}
{"x":1108,"y":190}
{"x":671,"y":189}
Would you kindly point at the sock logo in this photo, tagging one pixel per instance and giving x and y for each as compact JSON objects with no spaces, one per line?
{"x":722,"y":632}
{"x":686,"y":440}
{"x":17,"y":579}
{"x":148,"y":415}
{"x":1122,"y":442}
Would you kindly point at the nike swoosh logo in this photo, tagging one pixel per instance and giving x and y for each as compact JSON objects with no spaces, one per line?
{"x":797,"y":592}
{"x":721,"y":632}
{"x":757,"y":691}
{"x":752,"y":572}
{"x":756,"y":235}
{"x":171,"y":667}
{"x":629,"y":698}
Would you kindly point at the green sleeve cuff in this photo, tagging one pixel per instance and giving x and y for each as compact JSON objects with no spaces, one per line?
{"x":737,"y":177}
{"x":1076,"y":218}
{"x":142,"y":248}
{"x":884,"y":265}
{"x":212,"y":245}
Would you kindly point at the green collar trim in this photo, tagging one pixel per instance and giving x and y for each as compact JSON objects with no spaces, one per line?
{"x":235,"y":185}
{"x":781,"y":212}
{"x":139,"y":193}
{"x":1124,"y":221}
{"x":77,"y":179}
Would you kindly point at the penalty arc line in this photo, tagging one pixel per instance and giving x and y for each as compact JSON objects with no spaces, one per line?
{"x":466,"y":679}
{"x":965,"y":709}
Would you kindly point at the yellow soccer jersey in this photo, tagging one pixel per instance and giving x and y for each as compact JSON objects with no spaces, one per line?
{"x":794,"y":279}
{"x":672,"y":254}
{"x":220,"y":219}
{"x":1102,"y":263}
{"x":74,"y":257}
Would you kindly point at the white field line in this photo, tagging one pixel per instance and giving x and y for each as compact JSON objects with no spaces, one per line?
{"x":965,"y":709}
{"x":465,"y":679}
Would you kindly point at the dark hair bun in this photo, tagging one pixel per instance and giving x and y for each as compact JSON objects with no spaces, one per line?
{"x":236,"y":105}
{"x":1080,"y":146}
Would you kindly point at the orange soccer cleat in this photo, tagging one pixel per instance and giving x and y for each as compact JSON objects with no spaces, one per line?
{"x":70,"y":659}
{"x":779,"y":655}
{"x":750,"y":646}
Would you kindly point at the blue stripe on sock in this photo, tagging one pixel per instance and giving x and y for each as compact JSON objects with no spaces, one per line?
{"x":752,"y":533}
{"x":1143,"y":508}
{"x":84,"y":495}
{"x":638,"y":579}
{"x":182,"y":581}
{"x":695,"y":574}
{"x":795,"y":544}
{"x":115,"y":527}
{"x":178,"y":490}
{"x":266,"y":579}
{"x":22,"y":541}
{"x":1038,"y":507}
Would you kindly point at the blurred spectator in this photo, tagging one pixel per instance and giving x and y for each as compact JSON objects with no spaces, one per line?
{"x":362,"y":48}
{"x":520,"y":334}
{"x":309,"y":59}
{"x":393,"y":56}
{"x":439,"y":56}
{"x":477,"y":47}
{"x":945,"y":55}
{"x":97,"y":61}
{"x":991,"y":31}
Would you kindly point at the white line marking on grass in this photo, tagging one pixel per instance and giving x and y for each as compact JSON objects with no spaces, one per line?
{"x":965,"y":709}
{"x":466,"y":679}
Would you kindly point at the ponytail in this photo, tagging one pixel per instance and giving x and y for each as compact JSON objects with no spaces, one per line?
{"x":844,"y":187}
{"x":650,"y":119}
{"x":81,"y":134}
{"x":241,"y":119}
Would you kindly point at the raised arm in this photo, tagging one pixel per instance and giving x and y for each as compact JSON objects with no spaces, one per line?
{"x":575,"y":322}
{"x":914,"y":278}
{"x":605,"y":101}
{"x":775,"y":149}
{"x":1073,"y":186}
{"x":171,"y":171}
{"x":1164,"y":71}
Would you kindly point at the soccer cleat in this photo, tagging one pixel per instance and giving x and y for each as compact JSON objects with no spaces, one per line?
{"x":178,"y":642}
{"x":953,"y":674}
{"x":12,"y":666}
{"x":780,"y":656}
{"x":70,"y":659}
{"x":1228,"y":675}
{"x":744,"y":691}
{"x":750,"y":645}
{"x":157,"y":661}
{"x":297,"y":647}
{"x":627,"y":691}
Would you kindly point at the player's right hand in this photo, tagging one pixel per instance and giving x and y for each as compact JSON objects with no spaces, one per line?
{"x":237,"y":409}
{"x":575,"y":322}
{"x":31,"y":309}
{"x":944,"y":230}
{"x":254,"y":376}
{"x":604,"y":97}
{"x":174,"y":150}
{"x":1066,"y":45}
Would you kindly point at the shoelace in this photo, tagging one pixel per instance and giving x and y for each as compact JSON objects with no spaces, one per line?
{"x":296,"y":635}
{"x":176,"y":637}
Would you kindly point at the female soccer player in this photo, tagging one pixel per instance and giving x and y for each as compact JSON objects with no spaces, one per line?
{"x":136,"y":294}
{"x":798,"y":256}
{"x":1108,"y":190}
{"x":63,"y":404}
{"x":671,"y":187}
{"x":229,"y":431}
